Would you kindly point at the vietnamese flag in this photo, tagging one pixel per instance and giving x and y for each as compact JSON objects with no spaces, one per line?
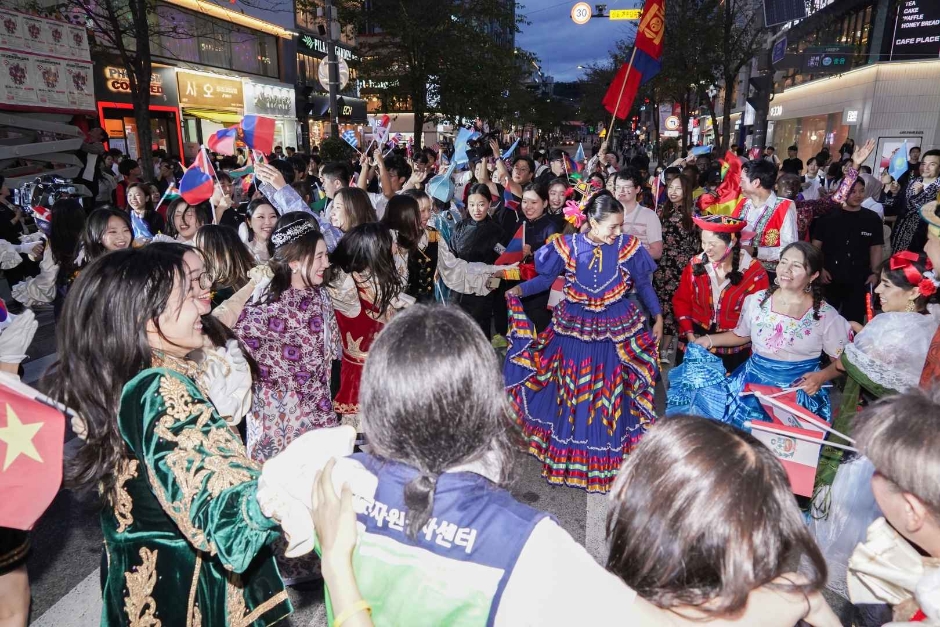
{"x":644,"y":64}
{"x":32,"y":435}
{"x":258,"y":133}
{"x":513,"y":252}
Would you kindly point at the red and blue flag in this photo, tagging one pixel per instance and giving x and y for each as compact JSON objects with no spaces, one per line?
{"x":645,"y":64}
{"x":509,"y":200}
{"x":513,"y":252}
{"x":223,"y":141}
{"x":258,"y":133}
{"x":196,"y":186}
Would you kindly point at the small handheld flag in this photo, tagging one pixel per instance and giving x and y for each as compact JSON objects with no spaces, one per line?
{"x":141,"y":230}
{"x":897,"y":166}
{"x":349,"y":136}
{"x":223,"y":141}
{"x":510,"y":150}
{"x":513,"y":252}
{"x":196,"y":186}
{"x":579,"y":155}
{"x":258,"y":133}
{"x":509,"y":201}
{"x":43,"y":218}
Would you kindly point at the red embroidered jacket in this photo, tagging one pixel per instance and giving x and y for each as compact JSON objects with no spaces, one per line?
{"x":692,"y":304}
{"x":767,"y":230}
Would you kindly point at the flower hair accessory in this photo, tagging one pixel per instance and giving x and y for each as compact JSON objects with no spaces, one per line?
{"x":573,"y":214}
{"x":291,"y":232}
{"x":928,"y":285}
{"x":905,"y":261}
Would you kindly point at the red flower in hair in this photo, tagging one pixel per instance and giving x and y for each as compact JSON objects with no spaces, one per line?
{"x":927,"y":287}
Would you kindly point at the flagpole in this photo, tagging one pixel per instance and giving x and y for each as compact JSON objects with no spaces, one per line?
{"x":626,"y":77}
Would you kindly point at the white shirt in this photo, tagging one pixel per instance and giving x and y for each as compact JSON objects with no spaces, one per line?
{"x":788,"y":230}
{"x":643,"y":224}
{"x":717,"y":288}
{"x":815,"y":182}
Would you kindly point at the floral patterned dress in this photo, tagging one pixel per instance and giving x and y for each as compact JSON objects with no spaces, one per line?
{"x":679,"y":246}
{"x":294,"y":341}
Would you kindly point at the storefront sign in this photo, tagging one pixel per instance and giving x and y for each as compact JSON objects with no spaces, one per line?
{"x":210,"y":92}
{"x":775,"y":111}
{"x":272,"y":100}
{"x":916,"y":30}
{"x":827,"y":59}
{"x":850,"y":117}
{"x":350,"y":109}
{"x":113,"y":85}
{"x":309,"y":42}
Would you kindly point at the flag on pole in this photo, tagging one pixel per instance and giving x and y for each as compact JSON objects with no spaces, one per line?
{"x":644,"y":64}
{"x":258,"y":133}
{"x":571,"y":166}
{"x":464,"y":135}
{"x":196,"y":186}
{"x":509,"y":201}
{"x":897,"y":166}
{"x":579,"y":155}
{"x":510,"y":150}
{"x":513,"y":252}
{"x":381,"y":130}
{"x":349,"y":136}
{"x":223,"y":141}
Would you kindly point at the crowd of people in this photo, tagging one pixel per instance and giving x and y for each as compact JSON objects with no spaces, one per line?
{"x":297,"y":315}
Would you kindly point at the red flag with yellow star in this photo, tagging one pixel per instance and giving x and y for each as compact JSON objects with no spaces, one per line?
{"x":31,"y":441}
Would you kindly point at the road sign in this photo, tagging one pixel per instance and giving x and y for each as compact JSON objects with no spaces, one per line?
{"x":779,"y":51}
{"x":625,"y":14}
{"x":581,"y":13}
{"x":827,"y":59}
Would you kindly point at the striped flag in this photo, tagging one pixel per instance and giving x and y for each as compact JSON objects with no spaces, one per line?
{"x":513,"y":252}
{"x":509,"y":201}
{"x":349,"y":136}
{"x":223,"y":141}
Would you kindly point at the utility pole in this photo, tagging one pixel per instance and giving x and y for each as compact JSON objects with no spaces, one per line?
{"x":332,"y":34}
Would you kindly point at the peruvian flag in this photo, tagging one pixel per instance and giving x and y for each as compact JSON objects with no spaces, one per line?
{"x":794,"y":435}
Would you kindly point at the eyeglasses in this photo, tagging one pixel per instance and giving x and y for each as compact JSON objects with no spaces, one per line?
{"x":204,"y":281}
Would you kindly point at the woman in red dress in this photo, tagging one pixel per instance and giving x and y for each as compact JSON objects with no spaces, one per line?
{"x":365,"y":293}
{"x":714,"y":285}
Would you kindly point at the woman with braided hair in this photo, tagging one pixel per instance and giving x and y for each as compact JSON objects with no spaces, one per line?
{"x":789,"y":326}
{"x":714,"y":285}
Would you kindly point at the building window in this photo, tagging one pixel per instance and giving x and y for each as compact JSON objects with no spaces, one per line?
{"x":308,"y":70}
{"x":177,"y":35}
{"x":245,"y":52}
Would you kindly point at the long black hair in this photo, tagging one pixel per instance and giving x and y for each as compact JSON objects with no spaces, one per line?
{"x":102,"y":339}
{"x":684,"y":207}
{"x":898,"y":278}
{"x":367,"y":251}
{"x":735,"y":276}
{"x":202,"y":214}
{"x":814,"y":264}
{"x":458,"y":414}
{"x":95,"y":228}
{"x":403,"y":214}
{"x":68,"y":224}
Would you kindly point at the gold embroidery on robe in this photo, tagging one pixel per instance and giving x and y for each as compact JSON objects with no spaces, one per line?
{"x":122,"y":500}
{"x":193,"y":615}
{"x":235,"y":600}
{"x":353,"y":348}
{"x":190,"y":465}
{"x":772,"y":237}
{"x":139,"y":603}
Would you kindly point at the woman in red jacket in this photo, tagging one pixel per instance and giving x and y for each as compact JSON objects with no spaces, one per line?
{"x":714,"y":285}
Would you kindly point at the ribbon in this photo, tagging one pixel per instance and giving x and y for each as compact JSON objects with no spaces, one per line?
{"x":573,"y":214}
{"x":904,"y":261}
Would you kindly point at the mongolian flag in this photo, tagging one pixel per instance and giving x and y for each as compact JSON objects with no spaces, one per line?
{"x":196,"y":186}
{"x":513,"y":252}
{"x":728,"y":192}
{"x":509,"y":201}
{"x":571,"y":166}
{"x":258,"y":133}
{"x":644,"y":64}
{"x":43,"y":218}
{"x":32,"y":434}
{"x":223,"y":141}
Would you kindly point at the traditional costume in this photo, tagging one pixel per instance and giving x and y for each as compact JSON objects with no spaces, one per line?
{"x":422,"y":267}
{"x":703,"y":306}
{"x":772,"y":227}
{"x":185,"y":540}
{"x":783,"y":350}
{"x":583,"y":388}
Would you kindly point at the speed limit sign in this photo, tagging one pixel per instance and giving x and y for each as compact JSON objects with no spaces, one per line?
{"x":581,"y":13}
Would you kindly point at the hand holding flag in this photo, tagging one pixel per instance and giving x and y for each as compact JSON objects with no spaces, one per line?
{"x":257,"y":132}
{"x":897,"y":165}
{"x":514,"y":251}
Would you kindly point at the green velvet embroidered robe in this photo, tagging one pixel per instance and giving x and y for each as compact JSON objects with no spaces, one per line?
{"x":187,"y":544}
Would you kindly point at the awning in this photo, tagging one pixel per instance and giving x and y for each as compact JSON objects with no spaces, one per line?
{"x":350,"y":109}
{"x":221,"y":117}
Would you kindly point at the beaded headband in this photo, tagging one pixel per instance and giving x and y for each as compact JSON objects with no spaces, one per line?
{"x":291,"y":232}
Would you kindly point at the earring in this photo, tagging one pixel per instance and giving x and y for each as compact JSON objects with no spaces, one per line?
{"x":808,"y":288}
{"x":777,"y":281}
{"x":911,"y":308}
{"x":294,"y":271}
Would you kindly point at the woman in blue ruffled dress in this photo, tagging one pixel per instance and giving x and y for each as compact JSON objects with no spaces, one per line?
{"x":583,"y":388}
{"x":789,"y":327}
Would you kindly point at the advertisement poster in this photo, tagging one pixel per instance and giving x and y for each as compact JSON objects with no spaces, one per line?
{"x":16,"y":85}
{"x":51,"y":82}
{"x":11,"y":31}
{"x":887,"y":146}
{"x":81,"y":89}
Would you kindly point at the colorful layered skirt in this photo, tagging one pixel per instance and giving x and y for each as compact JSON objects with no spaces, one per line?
{"x":582,"y":389}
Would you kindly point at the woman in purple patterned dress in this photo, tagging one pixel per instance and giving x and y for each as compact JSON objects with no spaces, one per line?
{"x":292,"y":334}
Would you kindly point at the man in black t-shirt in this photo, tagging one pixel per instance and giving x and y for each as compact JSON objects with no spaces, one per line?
{"x":792,"y":164}
{"x":851,"y":241}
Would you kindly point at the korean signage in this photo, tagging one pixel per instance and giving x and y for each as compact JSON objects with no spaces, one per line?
{"x":916,"y":30}
{"x":271,"y":100}
{"x":113,"y":85}
{"x":210,"y":92}
{"x":44,"y":64}
{"x":311,"y":43}
{"x":827,"y":59}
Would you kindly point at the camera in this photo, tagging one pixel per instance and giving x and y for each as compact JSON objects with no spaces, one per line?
{"x":43,"y":191}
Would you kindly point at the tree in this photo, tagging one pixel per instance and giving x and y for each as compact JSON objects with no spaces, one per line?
{"x":449,"y":57}
{"x":742,"y":34}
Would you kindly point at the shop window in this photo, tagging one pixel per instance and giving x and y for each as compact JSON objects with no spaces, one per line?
{"x":213,"y":43}
{"x":177,"y":35}
{"x":267,"y":55}
{"x":307,"y":69}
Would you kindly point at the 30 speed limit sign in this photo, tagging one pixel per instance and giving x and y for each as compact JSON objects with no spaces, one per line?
{"x":581,"y":13}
